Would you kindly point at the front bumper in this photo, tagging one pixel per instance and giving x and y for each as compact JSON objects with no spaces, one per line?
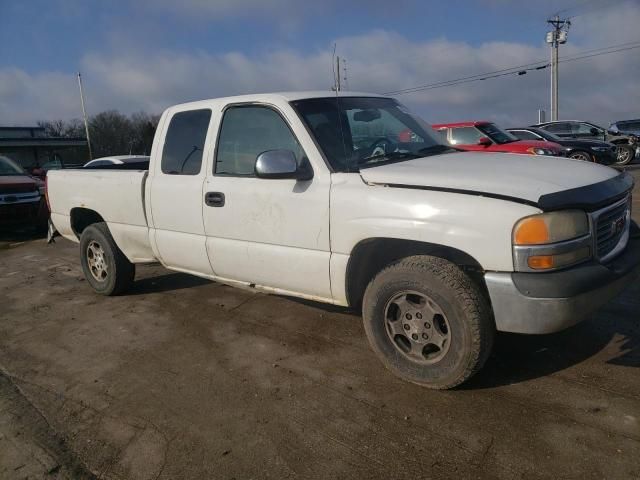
{"x":14,"y":214}
{"x":537,"y":303}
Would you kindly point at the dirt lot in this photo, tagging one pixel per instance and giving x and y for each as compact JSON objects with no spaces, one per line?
{"x":184,"y":378}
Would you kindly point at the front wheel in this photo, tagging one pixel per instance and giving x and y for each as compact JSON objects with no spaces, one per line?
{"x":428,"y":322}
{"x":624,"y":154}
{"x":105,"y":267}
{"x":580,"y":155}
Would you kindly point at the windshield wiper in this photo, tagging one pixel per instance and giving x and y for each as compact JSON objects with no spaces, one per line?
{"x":383,"y":157}
{"x":436,"y":149}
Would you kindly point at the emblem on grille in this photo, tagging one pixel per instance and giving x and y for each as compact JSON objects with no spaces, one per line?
{"x":617,"y":226}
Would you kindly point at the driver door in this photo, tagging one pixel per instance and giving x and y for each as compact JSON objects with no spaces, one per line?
{"x":269,"y":232}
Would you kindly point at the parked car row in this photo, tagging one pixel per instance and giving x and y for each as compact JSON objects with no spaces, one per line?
{"x":587,"y":150}
{"x":625,"y":144}
{"x":488,"y":137}
{"x":570,"y":138}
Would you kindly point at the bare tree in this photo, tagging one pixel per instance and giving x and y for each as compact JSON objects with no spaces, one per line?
{"x":63,"y":128}
{"x":112,"y":133}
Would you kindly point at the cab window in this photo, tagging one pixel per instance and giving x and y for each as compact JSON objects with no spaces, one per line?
{"x":246,"y":132}
{"x":184,"y":142}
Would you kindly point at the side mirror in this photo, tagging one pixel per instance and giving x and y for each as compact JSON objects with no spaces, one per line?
{"x":594,"y":131}
{"x":280,"y":164}
{"x":484,"y":141}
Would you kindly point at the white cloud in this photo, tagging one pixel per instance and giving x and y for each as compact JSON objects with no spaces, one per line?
{"x":600,"y":89}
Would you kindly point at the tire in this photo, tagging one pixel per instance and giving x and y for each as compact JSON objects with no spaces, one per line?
{"x":581,"y":155}
{"x":624,"y":154}
{"x":104,"y":265}
{"x":441,"y":301}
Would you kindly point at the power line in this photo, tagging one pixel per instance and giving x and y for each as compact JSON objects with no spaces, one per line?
{"x":602,"y":53}
{"x":408,"y":90}
{"x":540,"y":65}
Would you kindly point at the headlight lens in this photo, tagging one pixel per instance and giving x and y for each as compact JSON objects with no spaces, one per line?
{"x":553,"y":240}
{"x":551,"y":227}
{"x":540,"y":151}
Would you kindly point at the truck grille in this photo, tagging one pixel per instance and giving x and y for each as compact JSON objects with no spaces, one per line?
{"x":10,"y":189}
{"x":611,"y":224}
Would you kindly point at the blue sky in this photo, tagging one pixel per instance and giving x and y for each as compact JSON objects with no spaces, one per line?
{"x":148,"y":54}
{"x":50,"y":35}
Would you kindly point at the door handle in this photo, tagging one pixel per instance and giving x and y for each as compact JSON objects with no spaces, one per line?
{"x":214,"y":199}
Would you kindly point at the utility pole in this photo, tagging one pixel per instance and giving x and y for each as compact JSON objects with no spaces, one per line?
{"x":84,"y":115}
{"x":555,"y":38}
{"x":338,"y":74}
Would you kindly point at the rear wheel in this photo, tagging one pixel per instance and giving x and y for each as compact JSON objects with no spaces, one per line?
{"x":624,"y":154}
{"x":580,"y":155}
{"x":428,"y":322}
{"x":105,"y":267}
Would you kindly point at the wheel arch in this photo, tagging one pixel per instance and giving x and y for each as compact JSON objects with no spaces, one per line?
{"x":81,"y":218}
{"x":371,"y":255}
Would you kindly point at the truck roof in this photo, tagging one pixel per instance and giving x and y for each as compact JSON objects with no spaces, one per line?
{"x":287,"y":96}
{"x":460,"y":124}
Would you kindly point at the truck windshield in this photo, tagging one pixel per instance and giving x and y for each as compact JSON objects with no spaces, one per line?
{"x":9,"y":167}
{"x":356,"y":132}
{"x":496,"y":134}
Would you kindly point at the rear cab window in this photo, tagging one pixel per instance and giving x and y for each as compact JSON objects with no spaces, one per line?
{"x":184,"y":142}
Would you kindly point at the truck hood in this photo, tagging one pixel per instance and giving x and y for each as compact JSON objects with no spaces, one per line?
{"x":16,"y":182}
{"x":547,"y":182}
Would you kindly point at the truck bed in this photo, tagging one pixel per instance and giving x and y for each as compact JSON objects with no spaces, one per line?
{"x":116,"y":195}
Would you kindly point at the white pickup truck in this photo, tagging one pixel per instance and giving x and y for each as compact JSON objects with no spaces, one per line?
{"x":350,"y":199}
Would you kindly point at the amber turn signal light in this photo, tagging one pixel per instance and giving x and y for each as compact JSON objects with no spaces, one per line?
{"x":540,"y":262}
{"x":531,"y":231}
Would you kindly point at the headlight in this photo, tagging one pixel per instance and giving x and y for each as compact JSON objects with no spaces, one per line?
{"x":540,"y":151}
{"x":549,"y":241}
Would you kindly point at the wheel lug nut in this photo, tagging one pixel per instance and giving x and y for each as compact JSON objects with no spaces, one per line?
{"x":408,"y":315}
{"x":427,"y":325}
{"x":425,"y":336}
{"x":414,"y":336}
{"x":418,"y":315}
{"x":406,"y":326}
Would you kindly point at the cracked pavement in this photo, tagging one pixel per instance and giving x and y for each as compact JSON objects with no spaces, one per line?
{"x":185,"y":378}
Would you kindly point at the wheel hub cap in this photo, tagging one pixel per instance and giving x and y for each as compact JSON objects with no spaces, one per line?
{"x":97,"y":262}
{"x":417,"y":327}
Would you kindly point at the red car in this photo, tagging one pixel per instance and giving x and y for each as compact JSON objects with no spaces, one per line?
{"x":22,"y":201}
{"x":488,"y":137}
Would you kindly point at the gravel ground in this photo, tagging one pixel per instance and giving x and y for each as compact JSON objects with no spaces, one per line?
{"x":185,"y":378}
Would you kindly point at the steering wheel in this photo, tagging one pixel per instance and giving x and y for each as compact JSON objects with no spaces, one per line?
{"x":378,"y":142}
{"x":380,"y":146}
